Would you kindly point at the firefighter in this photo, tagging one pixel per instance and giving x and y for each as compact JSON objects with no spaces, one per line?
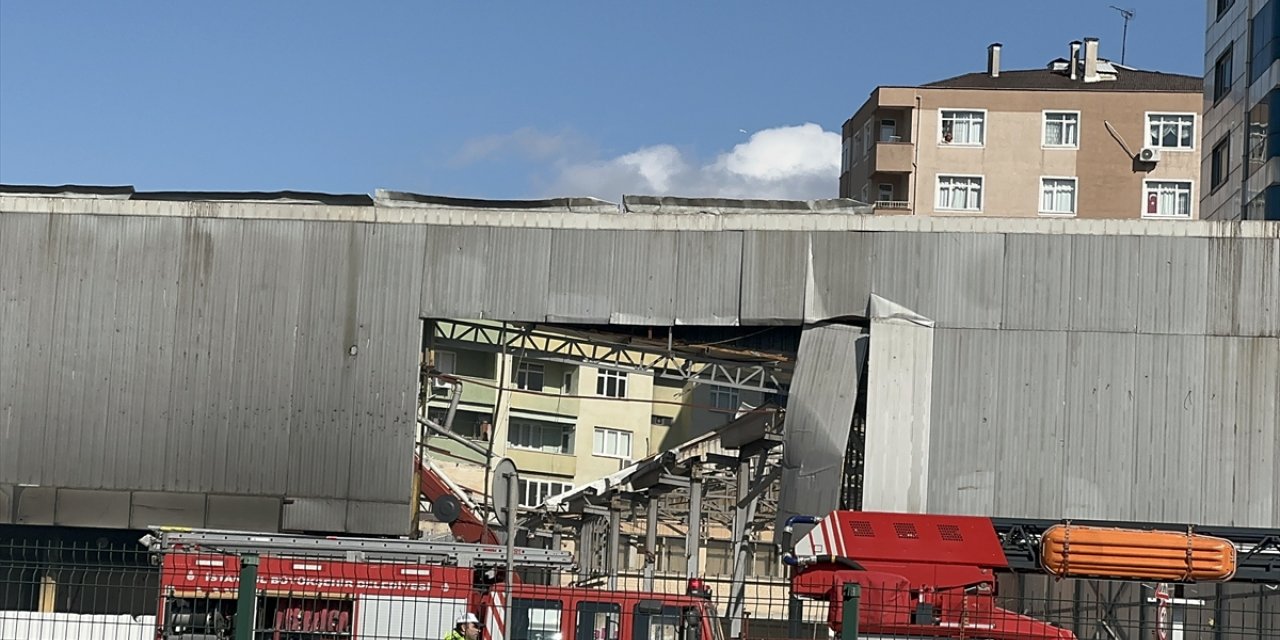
{"x":468,"y":628}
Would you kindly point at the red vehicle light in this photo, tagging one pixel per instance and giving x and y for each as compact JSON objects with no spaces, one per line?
{"x":698,"y":587}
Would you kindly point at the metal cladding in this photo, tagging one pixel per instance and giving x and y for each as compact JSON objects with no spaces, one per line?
{"x":820,"y":407}
{"x":250,"y":362}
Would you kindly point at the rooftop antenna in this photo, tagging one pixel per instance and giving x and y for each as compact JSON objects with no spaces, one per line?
{"x":1128,"y":15}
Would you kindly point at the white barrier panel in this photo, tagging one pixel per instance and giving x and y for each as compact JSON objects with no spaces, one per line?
{"x":29,"y":625}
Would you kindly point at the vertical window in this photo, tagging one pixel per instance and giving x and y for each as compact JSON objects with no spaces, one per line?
{"x":446,"y":362}
{"x":884,"y":192}
{"x":1167,"y":199}
{"x":959,"y":193}
{"x":866,"y":138}
{"x":1220,"y":163}
{"x":844,"y":156}
{"x":1223,"y":5}
{"x":1222,"y":74}
{"x":528,"y":376}
{"x":566,"y":385}
{"x":1058,"y":196}
{"x":862,"y":195}
{"x":963,"y":127}
{"x":613,"y":443}
{"x":857,"y":142}
{"x":611,"y":384}
{"x":535,"y":619}
{"x":540,"y":436}
{"x":598,"y":621}
{"x":1062,"y":129}
{"x":889,"y":130}
{"x":533,"y":493}
{"x":724,"y":398}
{"x":1171,"y":131}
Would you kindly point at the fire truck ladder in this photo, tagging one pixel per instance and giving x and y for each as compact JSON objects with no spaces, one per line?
{"x":1258,"y":559}
{"x":460,"y":554}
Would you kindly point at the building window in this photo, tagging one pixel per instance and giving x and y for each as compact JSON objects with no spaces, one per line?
{"x":884,"y":192}
{"x":661,"y":421}
{"x":866,"y":138}
{"x":613,"y":443}
{"x":846,"y":156}
{"x":540,"y":436}
{"x":528,"y":376}
{"x":1058,"y":196}
{"x":959,"y":193}
{"x":889,"y":130}
{"x":857,"y":142}
{"x":1222,"y":74}
{"x":724,"y":398}
{"x":611,"y":384}
{"x":1167,"y":199}
{"x":1062,"y":129}
{"x":533,"y":493}
{"x":1223,"y":6}
{"x":1220,"y":163}
{"x":566,"y":384}
{"x":1171,"y":131}
{"x":963,"y":127}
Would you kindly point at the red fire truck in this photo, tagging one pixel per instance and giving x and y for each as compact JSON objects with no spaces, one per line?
{"x":311,"y":588}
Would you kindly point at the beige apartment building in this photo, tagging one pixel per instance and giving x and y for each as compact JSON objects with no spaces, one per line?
{"x":1082,"y":137}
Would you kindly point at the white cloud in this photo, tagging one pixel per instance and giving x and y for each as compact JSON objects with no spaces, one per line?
{"x":792,"y":162}
{"x":526,"y":143}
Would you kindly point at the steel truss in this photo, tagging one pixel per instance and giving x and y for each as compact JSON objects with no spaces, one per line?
{"x":768,"y":375}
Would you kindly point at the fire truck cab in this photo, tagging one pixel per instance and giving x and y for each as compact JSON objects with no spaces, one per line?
{"x":570,"y":613}
{"x":309,"y":588}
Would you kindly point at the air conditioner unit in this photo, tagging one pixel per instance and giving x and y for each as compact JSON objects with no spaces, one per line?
{"x":1149,"y":154}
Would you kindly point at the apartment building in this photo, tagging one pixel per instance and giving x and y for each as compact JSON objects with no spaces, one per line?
{"x":1239,"y":170}
{"x":1082,"y":137}
{"x":563,"y":421}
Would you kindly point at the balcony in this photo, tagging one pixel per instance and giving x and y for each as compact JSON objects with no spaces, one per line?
{"x":891,"y":207}
{"x":892,"y":157}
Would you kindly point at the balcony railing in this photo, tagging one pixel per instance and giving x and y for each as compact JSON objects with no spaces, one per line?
{"x":901,"y":205}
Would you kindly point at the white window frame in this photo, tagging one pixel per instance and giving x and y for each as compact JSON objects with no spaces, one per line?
{"x":1191,"y":200}
{"x":895,"y":129}
{"x":564,"y":448}
{"x":525,"y":368}
{"x":619,"y":378}
{"x":566,"y":383}
{"x":846,"y":156}
{"x":1075,"y":197}
{"x":982,"y":191}
{"x":531,"y":489}
{"x":1044,"y":129}
{"x":968,"y":145}
{"x":719,"y":393}
{"x":1146,"y":132}
{"x":600,"y":442}
{"x":880,"y":189}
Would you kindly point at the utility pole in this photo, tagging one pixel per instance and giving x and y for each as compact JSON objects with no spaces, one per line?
{"x":1127,"y":14}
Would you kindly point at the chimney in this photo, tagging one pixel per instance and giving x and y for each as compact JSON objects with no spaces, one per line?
{"x":1091,"y":60}
{"x":993,"y":59}
{"x":1074,"y":59}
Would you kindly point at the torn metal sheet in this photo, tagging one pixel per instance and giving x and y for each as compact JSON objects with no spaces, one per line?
{"x":819,"y":417}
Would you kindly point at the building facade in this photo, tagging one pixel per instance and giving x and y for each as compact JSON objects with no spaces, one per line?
{"x":1083,"y":137}
{"x":563,"y":422}
{"x":1240,"y":173}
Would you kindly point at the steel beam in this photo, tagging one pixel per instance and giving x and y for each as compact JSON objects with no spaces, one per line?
{"x":650,"y":544}
{"x":693,"y":537}
{"x":611,"y":549}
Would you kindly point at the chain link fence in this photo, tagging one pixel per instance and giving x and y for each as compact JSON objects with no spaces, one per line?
{"x":67,"y":584}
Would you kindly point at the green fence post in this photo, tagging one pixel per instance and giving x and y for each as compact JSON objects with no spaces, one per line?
{"x":849,"y":619}
{"x":247,"y":600}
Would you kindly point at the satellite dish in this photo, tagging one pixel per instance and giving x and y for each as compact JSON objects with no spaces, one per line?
{"x":498,"y":489}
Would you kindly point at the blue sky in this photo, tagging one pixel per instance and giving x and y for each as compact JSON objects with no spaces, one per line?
{"x":501,"y":100}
